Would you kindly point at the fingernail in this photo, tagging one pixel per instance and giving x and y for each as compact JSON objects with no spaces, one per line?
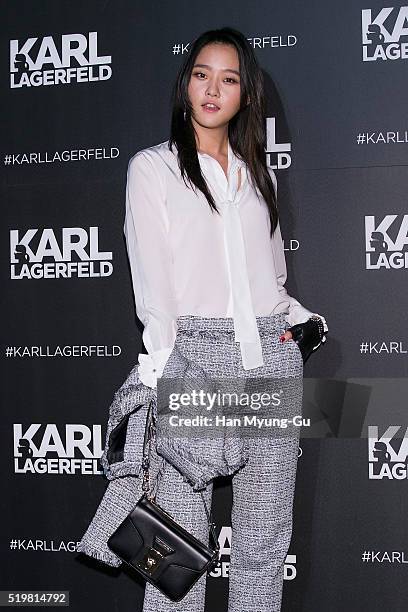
{"x":282,"y":338}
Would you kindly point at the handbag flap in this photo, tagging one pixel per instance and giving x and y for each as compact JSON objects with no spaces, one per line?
{"x":150,"y":527}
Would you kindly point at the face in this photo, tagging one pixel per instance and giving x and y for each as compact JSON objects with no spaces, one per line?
{"x":215,"y":80}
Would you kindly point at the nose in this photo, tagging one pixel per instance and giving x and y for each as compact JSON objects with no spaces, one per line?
{"x":212,"y":90}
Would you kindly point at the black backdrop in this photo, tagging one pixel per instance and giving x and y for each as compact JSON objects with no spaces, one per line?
{"x":336,"y":81}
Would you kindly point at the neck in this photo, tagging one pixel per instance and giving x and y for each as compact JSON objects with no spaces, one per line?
{"x":212,"y":142}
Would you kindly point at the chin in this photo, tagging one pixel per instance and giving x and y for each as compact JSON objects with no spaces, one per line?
{"x":209,"y":120}
{"x":212,"y":124}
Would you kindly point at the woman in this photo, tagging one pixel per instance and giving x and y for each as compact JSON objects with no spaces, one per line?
{"x":208,"y":270}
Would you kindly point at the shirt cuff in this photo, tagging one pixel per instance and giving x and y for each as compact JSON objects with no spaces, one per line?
{"x":151,"y":366}
{"x":297,"y":315}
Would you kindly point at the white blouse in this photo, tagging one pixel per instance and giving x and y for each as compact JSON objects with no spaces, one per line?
{"x":186,"y":259}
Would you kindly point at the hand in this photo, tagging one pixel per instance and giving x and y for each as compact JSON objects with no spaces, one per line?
{"x":286,"y":336}
{"x":306,"y":335}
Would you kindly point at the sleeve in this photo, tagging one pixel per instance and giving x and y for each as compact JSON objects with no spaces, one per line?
{"x":146,"y":231}
{"x":297,"y":312}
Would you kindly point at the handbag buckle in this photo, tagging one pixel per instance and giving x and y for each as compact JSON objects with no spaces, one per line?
{"x":154,"y":555}
{"x":151,"y":560}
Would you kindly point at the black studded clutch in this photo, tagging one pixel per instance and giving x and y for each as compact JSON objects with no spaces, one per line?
{"x":308,"y":335}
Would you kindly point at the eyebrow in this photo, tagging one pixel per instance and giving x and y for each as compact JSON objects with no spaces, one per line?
{"x":209,"y":68}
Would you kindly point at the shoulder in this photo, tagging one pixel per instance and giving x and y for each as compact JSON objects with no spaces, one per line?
{"x":147,"y":170}
{"x":155,"y":157}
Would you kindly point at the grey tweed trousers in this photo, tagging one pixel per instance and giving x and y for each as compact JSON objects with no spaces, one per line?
{"x":263,"y":467}
{"x":263,"y":481}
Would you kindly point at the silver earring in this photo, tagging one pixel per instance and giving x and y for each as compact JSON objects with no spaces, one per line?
{"x":184,"y":114}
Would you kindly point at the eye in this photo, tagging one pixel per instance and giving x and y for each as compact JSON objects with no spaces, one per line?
{"x":202,"y":74}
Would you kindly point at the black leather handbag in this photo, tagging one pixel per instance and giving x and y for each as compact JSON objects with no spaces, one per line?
{"x":153,"y":544}
{"x":308,"y":336}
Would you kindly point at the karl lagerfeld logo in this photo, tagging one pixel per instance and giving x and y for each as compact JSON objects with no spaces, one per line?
{"x":387,"y":454}
{"x":45,"y":61}
{"x":221,"y":570}
{"x":278,"y":152}
{"x":44,"y":450}
{"x":386,"y":242}
{"x":74,"y":252}
{"x":384,"y":34}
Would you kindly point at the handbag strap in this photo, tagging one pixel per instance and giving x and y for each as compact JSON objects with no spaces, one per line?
{"x":150,"y":434}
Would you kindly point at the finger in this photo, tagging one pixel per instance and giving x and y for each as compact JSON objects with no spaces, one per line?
{"x":286,"y":336}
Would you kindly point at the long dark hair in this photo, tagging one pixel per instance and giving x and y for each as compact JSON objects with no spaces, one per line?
{"x":246,"y":130}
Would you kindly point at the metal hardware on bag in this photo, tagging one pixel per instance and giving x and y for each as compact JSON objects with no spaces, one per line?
{"x":319,"y":324}
{"x":149,"y":435}
{"x":151,"y":561}
{"x":154,"y":555}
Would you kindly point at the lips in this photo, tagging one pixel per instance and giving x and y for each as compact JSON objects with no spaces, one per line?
{"x":210,"y":107}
